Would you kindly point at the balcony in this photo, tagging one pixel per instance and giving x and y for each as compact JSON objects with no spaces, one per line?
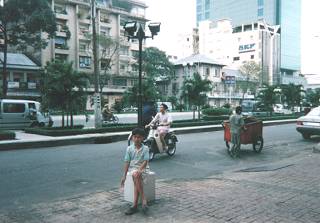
{"x":22,"y":85}
{"x":83,"y":2}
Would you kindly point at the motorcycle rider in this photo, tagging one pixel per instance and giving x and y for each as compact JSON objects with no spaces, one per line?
{"x":106,"y":113}
{"x":165,"y":120}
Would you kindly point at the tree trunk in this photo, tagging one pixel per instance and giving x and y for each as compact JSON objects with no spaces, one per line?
{"x":194,"y":112}
{"x":71,"y":118}
{"x":62,"y":119}
{"x":199,"y":112}
{"x":4,"y":68}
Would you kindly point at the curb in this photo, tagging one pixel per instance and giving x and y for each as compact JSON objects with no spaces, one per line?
{"x":109,"y":137}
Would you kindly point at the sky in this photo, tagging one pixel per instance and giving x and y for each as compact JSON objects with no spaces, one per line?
{"x":179,"y":16}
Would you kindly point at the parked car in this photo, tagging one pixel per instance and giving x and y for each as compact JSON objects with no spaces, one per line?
{"x":130,"y":109}
{"x":309,"y":124}
{"x":280,"y":109}
{"x":19,"y":114}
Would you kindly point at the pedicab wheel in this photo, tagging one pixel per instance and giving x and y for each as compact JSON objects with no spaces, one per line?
{"x":258,"y":144}
{"x":115,"y":120}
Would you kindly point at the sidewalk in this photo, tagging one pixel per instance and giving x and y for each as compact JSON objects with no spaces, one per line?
{"x":285,"y":192}
{"x":25,"y":140}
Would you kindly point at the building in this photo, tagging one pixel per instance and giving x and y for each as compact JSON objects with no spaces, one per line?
{"x":73,"y":41}
{"x":189,"y":43}
{"x":23,"y":76}
{"x":283,"y":13}
{"x":233,"y":46}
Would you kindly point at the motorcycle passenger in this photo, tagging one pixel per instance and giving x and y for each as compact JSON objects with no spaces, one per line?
{"x":165,"y":120}
{"x":106,"y":113}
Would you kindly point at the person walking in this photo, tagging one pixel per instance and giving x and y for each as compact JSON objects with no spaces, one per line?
{"x":236,"y":126}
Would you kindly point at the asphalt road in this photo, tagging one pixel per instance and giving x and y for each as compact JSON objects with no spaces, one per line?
{"x":123,"y":118}
{"x":40,"y":175}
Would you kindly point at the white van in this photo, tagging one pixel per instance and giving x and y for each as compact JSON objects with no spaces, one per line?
{"x":19,"y":114}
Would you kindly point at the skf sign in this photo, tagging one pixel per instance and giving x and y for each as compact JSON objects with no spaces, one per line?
{"x":246,"y":48}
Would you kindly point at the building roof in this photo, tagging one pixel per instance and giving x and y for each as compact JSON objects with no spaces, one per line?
{"x":197,"y":58}
{"x":18,"y":61}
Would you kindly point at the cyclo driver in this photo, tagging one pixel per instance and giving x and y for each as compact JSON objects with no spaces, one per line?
{"x":165,"y":120}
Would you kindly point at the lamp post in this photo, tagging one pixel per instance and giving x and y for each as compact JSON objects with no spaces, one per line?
{"x":134,"y":30}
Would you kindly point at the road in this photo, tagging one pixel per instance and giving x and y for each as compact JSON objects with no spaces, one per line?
{"x":123,"y":118}
{"x":47,"y":174}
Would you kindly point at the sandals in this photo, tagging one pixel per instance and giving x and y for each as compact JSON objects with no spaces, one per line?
{"x":131,"y":211}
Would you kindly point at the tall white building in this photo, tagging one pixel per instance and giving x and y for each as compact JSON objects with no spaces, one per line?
{"x":248,"y":42}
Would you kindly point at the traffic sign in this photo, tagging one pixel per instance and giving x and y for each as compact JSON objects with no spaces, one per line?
{"x":230,"y":80}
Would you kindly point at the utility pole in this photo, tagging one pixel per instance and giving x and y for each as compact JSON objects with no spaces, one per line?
{"x":97,"y":96}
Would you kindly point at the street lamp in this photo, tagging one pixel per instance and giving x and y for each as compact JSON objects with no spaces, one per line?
{"x":134,"y":30}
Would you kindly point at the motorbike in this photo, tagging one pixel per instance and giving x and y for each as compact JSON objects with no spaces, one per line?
{"x":154,"y":143}
{"x":114,"y":119}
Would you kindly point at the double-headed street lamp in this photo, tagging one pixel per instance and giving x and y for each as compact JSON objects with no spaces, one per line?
{"x":134,"y":30}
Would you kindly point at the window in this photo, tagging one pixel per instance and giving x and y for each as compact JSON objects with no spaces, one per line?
{"x":105,"y":64}
{"x":61,"y":42}
{"x":207,"y":71}
{"x":260,"y":2}
{"x":84,"y":62}
{"x":105,"y":31}
{"x":216,"y":73}
{"x":252,"y":56}
{"x":207,"y":4}
{"x":260,"y":12}
{"x":61,"y":57}
{"x":13,"y":108}
{"x":124,"y":50}
{"x":236,"y":58}
{"x":119,"y":82}
{"x":207,"y":15}
{"x":133,"y":82}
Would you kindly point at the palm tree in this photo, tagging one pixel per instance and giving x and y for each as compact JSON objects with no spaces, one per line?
{"x":64,"y":89}
{"x":267,"y":97}
{"x":194,"y":91}
{"x":293,"y":94}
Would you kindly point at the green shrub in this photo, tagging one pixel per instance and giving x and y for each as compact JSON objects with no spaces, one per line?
{"x":7,"y":135}
{"x":216,"y":111}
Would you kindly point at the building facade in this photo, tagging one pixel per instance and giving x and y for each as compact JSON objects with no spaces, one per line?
{"x":73,"y":41}
{"x":23,"y":76}
{"x":285,"y":13}
{"x":233,"y":46}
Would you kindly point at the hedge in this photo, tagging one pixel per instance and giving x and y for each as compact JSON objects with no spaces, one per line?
{"x":7,"y":135}
{"x":216,"y":111}
{"x":128,"y":127}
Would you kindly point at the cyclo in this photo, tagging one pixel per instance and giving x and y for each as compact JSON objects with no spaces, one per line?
{"x":251,"y":135}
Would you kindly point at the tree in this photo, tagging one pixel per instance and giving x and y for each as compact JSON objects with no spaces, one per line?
{"x":22,"y":23}
{"x":149,"y":93}
{"x":293,"y":94}
{"x":109,"y":49}
{"x":155,"y":64}
{"x":64,"y":89}
{"x":313,"y":97}
{"x":250,"y":70}
{"x":267,"y":97}
{"x":194,"y":91}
